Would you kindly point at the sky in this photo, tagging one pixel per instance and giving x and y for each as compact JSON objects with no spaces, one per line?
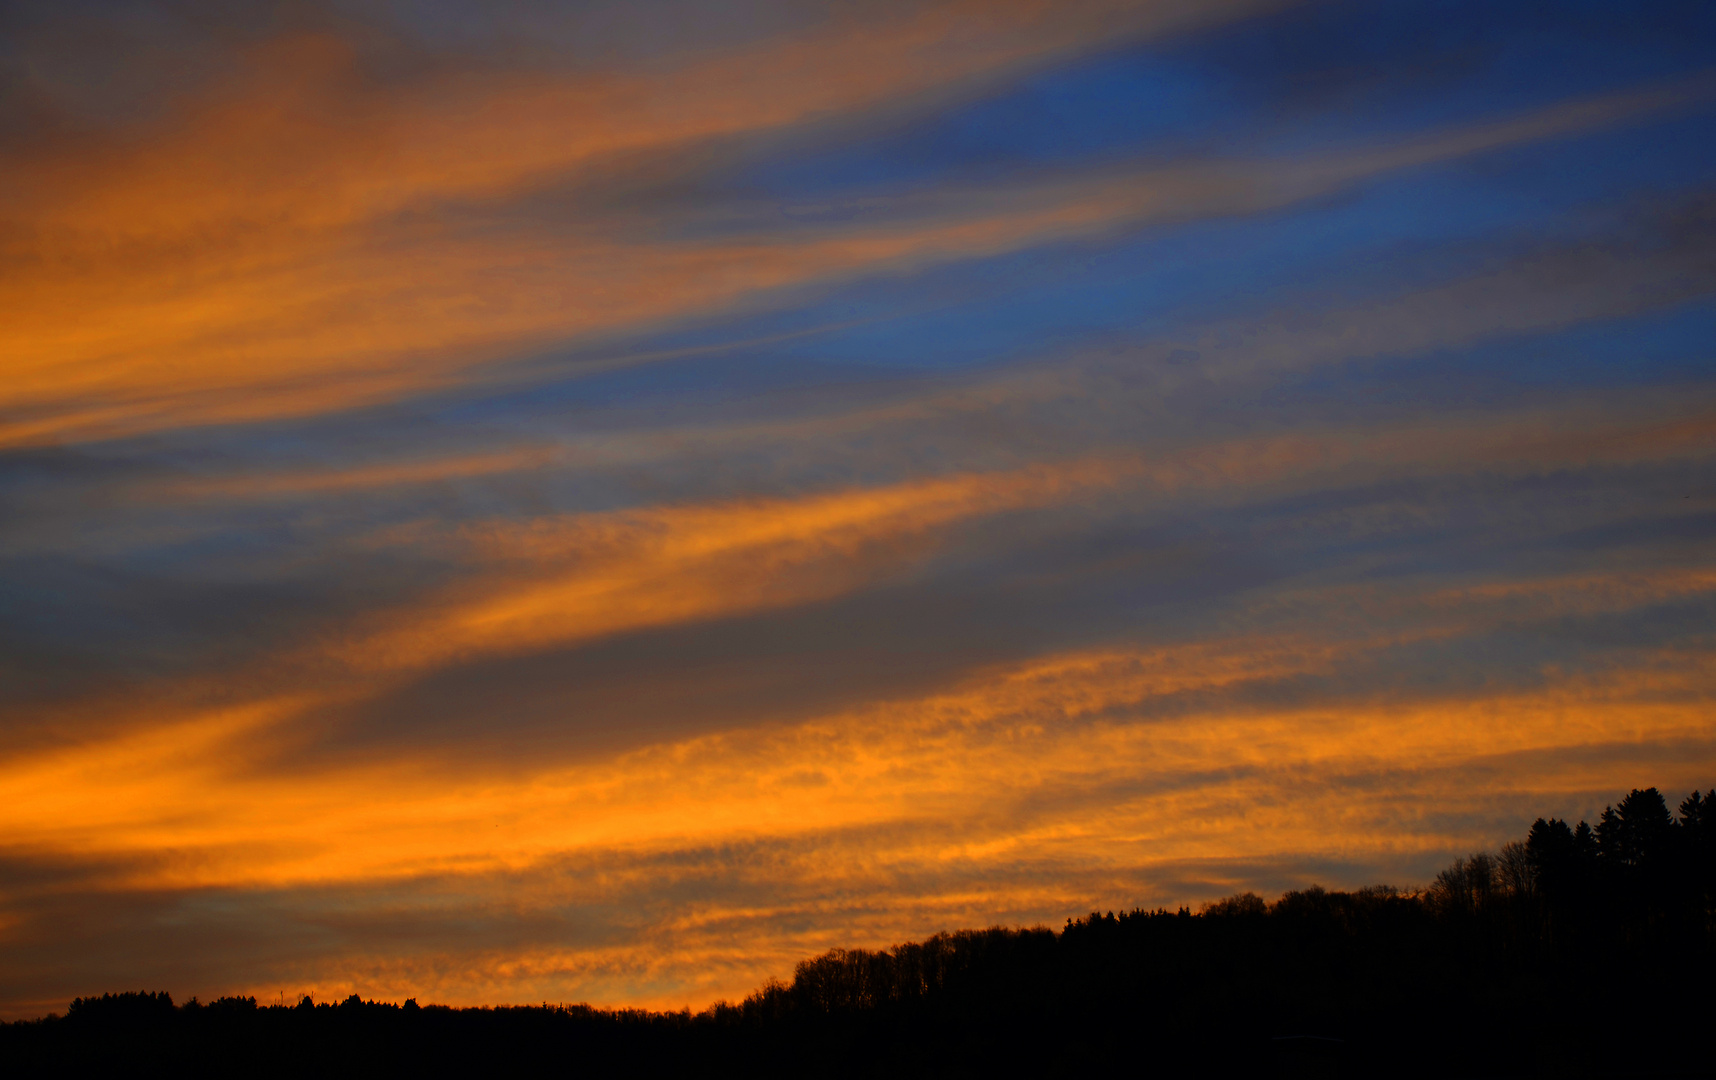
{"x":523,"y":501}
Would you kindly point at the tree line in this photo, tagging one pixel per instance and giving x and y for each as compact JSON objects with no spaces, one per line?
{"x":1576,"y":950}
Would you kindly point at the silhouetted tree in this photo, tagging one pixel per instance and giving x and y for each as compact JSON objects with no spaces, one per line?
{"x":1698,"y":838}
{"x":1465,"y":886}
{"x":1636,"y":831}
{"x":139,"y":1007}
{"x":1246,"y":904}
{"x":1514,"y":873}
{"x":1476,"y":975}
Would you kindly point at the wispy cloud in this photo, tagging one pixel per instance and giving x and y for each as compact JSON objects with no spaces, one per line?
{"x":330,"y":316}
{"x":863,"y":803}
{"x":599,"y":503}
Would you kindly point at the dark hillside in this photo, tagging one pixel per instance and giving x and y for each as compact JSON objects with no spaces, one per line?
{"x":1577,"y":951}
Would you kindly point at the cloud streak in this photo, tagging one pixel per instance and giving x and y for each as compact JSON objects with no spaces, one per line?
{"x":333,"y":318}
{"x":582,"y":505}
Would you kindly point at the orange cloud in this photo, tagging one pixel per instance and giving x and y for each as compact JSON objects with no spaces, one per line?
{"x":563,"y":580}
{"x":327,"y":314}
{"x":309,"y":240}
{"x":908,"y":803}
{"x":242,"y":245}
{"x":557,"y":582}
{"x":1064,"y":729}
{"x":303,"y":139}
{"x":1162,"y":773}
{"x":934,"y":809}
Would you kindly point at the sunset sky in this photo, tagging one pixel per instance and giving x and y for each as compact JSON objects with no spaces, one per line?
{"x":599,"y":501}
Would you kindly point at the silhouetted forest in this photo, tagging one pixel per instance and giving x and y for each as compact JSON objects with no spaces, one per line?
{"x":1577,"y":950}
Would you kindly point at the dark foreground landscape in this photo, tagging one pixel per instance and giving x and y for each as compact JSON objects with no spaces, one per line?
{"x":1574,"y":951}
